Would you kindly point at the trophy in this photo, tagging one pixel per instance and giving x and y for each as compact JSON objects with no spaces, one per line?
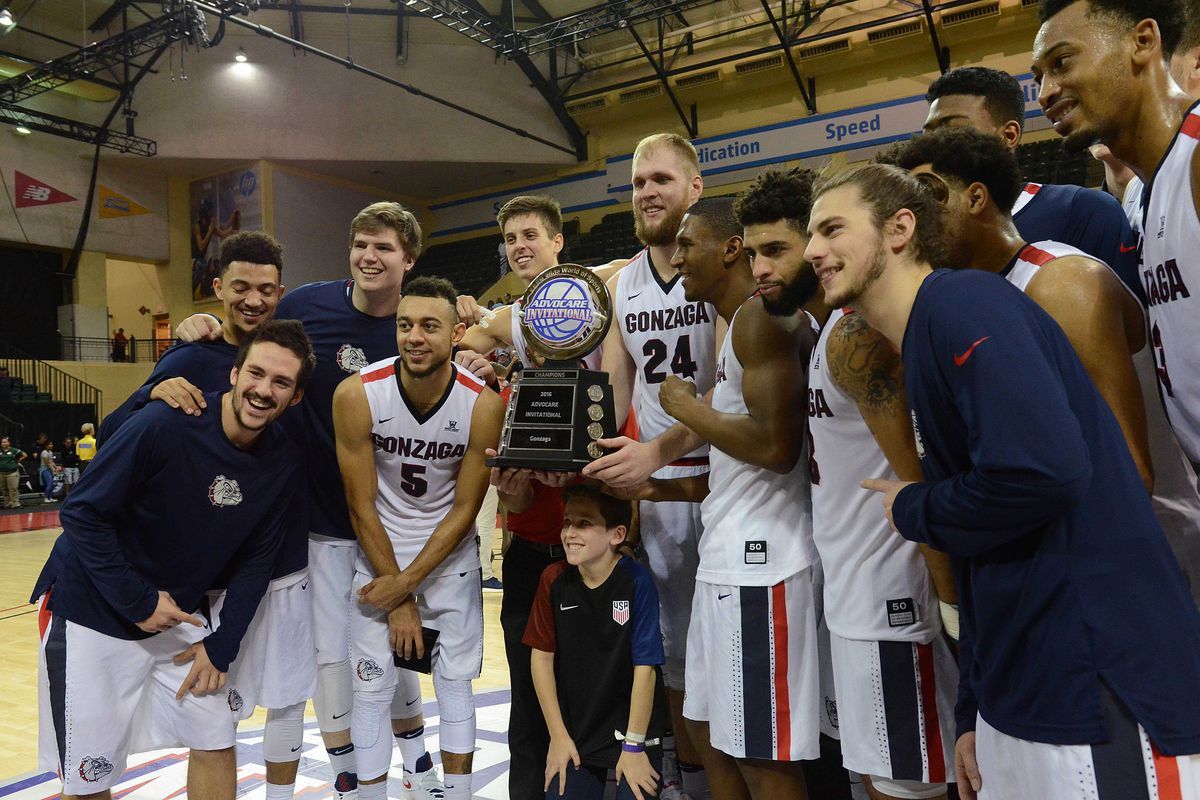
{"x":559,"y":409}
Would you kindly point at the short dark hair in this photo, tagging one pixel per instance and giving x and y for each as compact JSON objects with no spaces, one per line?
{"x":1001,"y":92}
{"x":967,"y":155}
{"x":254,"y":247}
{"x":885,"y":190}
{"x":777,"y":195}
{"x":717,"y":213}
{"x":542,"y":206}
{"x":1189,"y":37}
{"x":429,"y":286}
{"x":1169,"y":14}
{"x":289,"y":335}
{"x":613,"y":511}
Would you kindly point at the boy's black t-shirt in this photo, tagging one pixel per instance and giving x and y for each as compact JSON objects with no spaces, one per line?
{"x":598,"y":636}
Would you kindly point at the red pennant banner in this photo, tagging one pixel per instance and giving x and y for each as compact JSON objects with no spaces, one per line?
{"x":32,"y":192}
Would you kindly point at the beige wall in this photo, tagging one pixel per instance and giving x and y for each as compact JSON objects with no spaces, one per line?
{"x":116,"y":381}
{"x":133,"y":285}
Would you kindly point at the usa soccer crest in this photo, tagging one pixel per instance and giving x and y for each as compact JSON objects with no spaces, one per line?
{"x":351,"y":358}
{"x":224,"y":492}
{"x":93,"y":768}
{"x":620,"y":611}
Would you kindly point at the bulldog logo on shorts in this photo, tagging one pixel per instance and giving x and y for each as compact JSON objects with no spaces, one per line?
{"x":224,"y":492}
{"x":368,"y":670}
{"x":93,"y":768}
{"x":831,"y":711}
{"x":351,"y":358}
{"x":235,"y":701}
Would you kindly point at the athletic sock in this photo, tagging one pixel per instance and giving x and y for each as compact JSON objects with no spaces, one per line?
{"x":412,"y":750}
{"x":695,"y":781}
{"x":458,"y":787}
{"x":373,"y":791}
{"x":280,"y":791}
{"x":345,"y":770}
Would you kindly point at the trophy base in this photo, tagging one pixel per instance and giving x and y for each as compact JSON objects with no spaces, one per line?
{"x":508,"y":461}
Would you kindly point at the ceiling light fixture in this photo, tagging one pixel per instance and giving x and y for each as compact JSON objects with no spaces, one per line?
{"x":241,"y":56}
{"x":7,"y":20}
{"x":21,"y":130}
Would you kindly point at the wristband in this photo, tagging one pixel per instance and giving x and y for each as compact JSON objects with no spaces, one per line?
{"x":949,"y":615}
{"x":636,"y":738}
{"x":632,"y":747}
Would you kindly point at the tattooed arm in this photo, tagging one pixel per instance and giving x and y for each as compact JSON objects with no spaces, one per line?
{"x":869,"y":370}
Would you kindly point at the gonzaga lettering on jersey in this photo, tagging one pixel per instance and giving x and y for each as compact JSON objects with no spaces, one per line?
{"x":418,"y":457}
{"x":868,"y":566}
{"x":1170,"y":265}
{"x":664,"y":335}
{"x":757,"y":523}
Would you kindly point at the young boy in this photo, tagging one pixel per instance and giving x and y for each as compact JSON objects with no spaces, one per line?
{"x":597,"y":649}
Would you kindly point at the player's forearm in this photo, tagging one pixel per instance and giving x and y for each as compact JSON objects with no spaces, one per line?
{"x":444,"y":540}
{"x":374,"y":541}
{"x":742,"y":436}
{"x":641,"y":700}
{"x":675,"y":443}
{"x":542,"y":666}
{"x":689,"y":489}
{"x":941,"y":573}
{"x":517,"y":502}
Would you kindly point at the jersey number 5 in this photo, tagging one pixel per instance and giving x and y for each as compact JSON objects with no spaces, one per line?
{"x":655,"y":350}
{"x":411,"y":480}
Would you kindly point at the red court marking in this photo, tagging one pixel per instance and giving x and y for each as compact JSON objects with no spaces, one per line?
{"x":29,"y":521}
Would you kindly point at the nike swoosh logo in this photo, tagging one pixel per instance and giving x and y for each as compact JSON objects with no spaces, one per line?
{"x":1128,"y":249}
{"x":339,"y":716}
{"x":304,"y":586}
{"x":297,"y":747}
{"x":632,"y":296}
{"x":410,"y":702}
{"x":960,"y":360}
{"x":723,"y":596}
{"x":389,"y":419}
{"x":561,"y":607}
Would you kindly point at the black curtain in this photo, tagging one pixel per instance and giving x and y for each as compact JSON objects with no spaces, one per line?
{"x":29,"y":299}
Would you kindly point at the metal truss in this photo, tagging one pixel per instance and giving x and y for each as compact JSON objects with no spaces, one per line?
{"x":468,"y":20}
{"x":615,"y":15}
{"x":79,"y":131}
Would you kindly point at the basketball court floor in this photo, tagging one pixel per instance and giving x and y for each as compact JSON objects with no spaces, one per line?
{"x":25,"y":541}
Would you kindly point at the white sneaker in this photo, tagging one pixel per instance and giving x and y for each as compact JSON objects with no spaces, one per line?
{"x":427,"y":786}
{"x":350,"y":795}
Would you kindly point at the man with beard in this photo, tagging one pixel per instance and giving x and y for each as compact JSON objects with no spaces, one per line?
{"x":1104,"y":78}
{"x":1080,"y":648}
{"x":411,"y":436}
{"x":173,"y":503}
{"x":755,"y":716}
{"x":658,"y":332}
{"x":974,"y":176}
{"x":881,"y":607}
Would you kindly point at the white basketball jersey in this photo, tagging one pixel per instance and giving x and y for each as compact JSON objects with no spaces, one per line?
{"x":757,"y":523}
{"x":417,"y":458}
{"x":1132,"y":203}
{"x":1024,"y":197}
{"x":877,"y":587}
{"x":664,"y":335}
{"x":527,"y":356}
{"x":1175,"y":500}
{"x":1171,"y":270}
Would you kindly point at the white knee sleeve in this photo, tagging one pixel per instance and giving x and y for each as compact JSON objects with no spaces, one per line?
{"x":909,"y":790}
{"x":406,"y":703}
{"x":456,"y":711}
{"x":284,"y":734}
{"x":371,"y":734}
{"x":334,"y":697}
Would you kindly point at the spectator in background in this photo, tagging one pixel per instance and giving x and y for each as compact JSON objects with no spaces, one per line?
{"x":10,"y":475}
{"x":46,"y":472}
{"x":85,"y":448}
{"x":119,"y":342}
{"x":68,"y":459}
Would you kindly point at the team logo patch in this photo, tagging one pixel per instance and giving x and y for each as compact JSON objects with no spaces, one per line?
{"x":917,"y":436}
{"x":620,"y":611}
{"x":452,"y":426}
{"x":224,"y":492}
{"x":351,"y":358}
{"x":368,"y":670}
{"x":93,"y":768}
{"x":831,"y":711}
{"x":235,"y":701}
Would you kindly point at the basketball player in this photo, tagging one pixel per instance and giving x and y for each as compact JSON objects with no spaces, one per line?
{"x":173,"y":504}
{"x":755,"y":716}
{"x":658,"y":332}
{"x":275,"y":669}
{"x":880,"y":603}
{"x":411,"y":434}
{"x":1080,"y":647}
{"x":992,"y":101}
{"x":351,"y":324}
{"x":1105,"y":323}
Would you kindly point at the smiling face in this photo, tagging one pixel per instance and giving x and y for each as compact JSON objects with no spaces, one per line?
{"x":663,"y":190}
{"x":786,"y":281}
{"x":264,"y":386}
{"x":1080,"y":62}
{"x":249,"y":293}
{"x":700,"y":259}
{"x":846,"y":247}
{"x":530,"y":248}
{"x":586,"y":538}
{"x":427,"y":328}
{"x":378,"y":261}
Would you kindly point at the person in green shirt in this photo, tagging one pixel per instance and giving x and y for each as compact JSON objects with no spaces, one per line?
{"x":9,"y":475}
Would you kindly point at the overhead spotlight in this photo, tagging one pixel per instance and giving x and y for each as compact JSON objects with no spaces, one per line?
{"x":6,"y":19}
{"x":21,"y":130}
{"x":241,"y":56}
